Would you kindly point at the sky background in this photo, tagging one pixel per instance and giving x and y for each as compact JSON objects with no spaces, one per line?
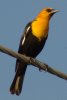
{"x":14,"y":15}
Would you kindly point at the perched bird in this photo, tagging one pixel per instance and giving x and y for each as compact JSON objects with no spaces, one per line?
{"x":31,"y":44}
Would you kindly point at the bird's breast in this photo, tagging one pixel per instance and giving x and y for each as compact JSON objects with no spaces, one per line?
{"x":40,"y":29}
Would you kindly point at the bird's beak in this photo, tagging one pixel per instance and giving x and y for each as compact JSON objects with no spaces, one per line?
{"x":54,"y":11}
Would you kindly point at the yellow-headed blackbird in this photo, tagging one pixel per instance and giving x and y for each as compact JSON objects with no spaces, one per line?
{"x":32,"y":42}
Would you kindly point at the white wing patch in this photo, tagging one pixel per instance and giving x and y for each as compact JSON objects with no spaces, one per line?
{"x":23,"y":40}
{"x":27,"y":29}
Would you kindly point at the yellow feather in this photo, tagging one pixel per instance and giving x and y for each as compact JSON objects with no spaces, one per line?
{"x":40,"y":28}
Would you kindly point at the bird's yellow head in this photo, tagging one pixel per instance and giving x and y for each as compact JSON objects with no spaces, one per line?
{"x":46,"y":13}
{"x":40,"y":25}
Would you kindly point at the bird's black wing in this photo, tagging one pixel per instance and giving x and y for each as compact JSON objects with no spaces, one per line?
{"x":24,"y":36}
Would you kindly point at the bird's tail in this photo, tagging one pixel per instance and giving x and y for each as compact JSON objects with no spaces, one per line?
{"x":17,"y":83}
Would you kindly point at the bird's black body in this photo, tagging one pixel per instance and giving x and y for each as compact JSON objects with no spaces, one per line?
{"x":32,"y":46}
{"x":29,"y":46}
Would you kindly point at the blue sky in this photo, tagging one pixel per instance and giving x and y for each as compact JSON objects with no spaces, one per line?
{"x":14,"y":15}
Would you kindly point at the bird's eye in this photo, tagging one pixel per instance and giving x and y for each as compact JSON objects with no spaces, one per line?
{"x":48,"y":10}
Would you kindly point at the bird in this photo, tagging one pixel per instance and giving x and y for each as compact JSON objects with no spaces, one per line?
{"x":31,"y":44}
